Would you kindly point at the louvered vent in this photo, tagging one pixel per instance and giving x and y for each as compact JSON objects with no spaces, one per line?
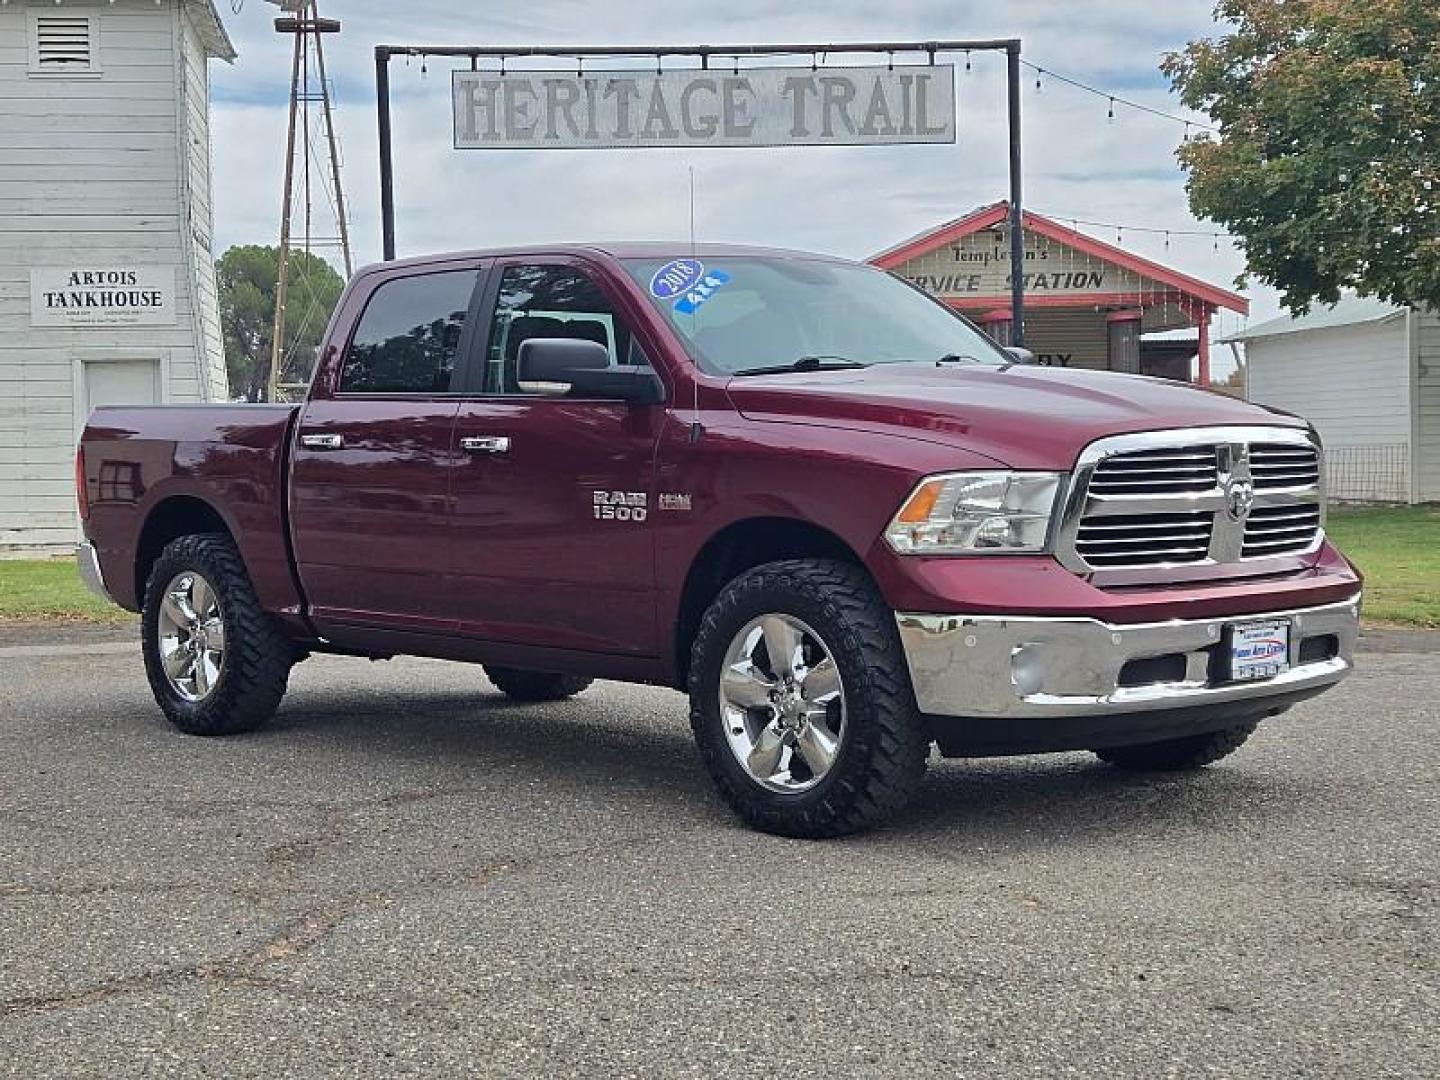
{"x":62,"y":43}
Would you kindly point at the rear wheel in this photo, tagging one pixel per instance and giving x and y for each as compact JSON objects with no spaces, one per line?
{"x":800,"y":703}
{"x":216,"y":663}
{"x":1173,"y":755}
{"x":535,"y":685}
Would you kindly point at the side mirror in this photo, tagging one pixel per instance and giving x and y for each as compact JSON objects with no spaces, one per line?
{"x":1021,"y":356}
{"x":581,"y":368}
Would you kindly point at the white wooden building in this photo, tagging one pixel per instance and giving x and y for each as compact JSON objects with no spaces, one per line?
{"x":107,"y":281}
{"x":1367,"y":375}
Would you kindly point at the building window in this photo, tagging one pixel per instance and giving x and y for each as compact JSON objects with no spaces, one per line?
{"x":64,"y":43}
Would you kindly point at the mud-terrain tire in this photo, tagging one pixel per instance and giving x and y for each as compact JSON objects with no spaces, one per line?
{"x":535,"y":685}
{"x":879,"y":757}
{"x":1177,"y":755}
{"x":255,"y":660}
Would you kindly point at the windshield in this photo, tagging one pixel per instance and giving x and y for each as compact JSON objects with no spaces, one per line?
{"x":750,"y":314}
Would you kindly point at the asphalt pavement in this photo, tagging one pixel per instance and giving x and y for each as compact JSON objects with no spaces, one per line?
{"x":406,"y":874}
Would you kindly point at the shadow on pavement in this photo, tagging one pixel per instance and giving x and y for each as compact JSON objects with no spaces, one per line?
{"x":648,"y":754}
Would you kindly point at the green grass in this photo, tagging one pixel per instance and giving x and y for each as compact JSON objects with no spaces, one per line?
{"x":1398,"y":548}
{"x":50,"y":589}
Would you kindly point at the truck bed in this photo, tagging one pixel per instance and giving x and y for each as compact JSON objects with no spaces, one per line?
{"x":233,"y":457}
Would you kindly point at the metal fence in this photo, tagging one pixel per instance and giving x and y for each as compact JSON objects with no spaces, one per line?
{"x":1378,"y":473}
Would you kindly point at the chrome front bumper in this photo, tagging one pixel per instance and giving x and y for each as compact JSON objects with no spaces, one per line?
{"x":1022,"y":667}
{"x":90,"y":573}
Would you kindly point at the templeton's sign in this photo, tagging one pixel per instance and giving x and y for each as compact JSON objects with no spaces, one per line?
{"x":102,"y":296}
{"x":779,"y":106}
{"x":979,"y":265}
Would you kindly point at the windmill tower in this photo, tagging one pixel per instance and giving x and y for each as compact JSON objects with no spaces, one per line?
{"x":310,"y":108}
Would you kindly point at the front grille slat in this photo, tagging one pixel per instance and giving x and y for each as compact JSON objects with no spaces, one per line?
{"x":1278,"y":530}
{"x":1139,"y":509}
{"x":1130,"y":539}
{"x":1280,"y":465}
{"x":1156,"y":472}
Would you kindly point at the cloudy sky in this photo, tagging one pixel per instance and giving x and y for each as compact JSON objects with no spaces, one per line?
{"x":849,"y":201}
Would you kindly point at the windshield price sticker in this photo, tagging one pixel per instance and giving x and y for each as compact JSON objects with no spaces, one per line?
{"x":701,"y":291}
{"x":675,"y":277}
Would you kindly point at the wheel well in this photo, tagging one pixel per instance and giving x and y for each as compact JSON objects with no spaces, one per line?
{"x":178,"y":516}
{"x":734,"y":550}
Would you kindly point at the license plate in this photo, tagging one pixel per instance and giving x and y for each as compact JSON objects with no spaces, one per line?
{"x":1259,"y":650}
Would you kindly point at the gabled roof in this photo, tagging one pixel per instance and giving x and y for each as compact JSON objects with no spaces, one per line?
{"x":1349,"y":311}
{"x":995,"y":213}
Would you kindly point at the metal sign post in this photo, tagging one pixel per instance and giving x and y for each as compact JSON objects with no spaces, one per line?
{"x":893,"y":105}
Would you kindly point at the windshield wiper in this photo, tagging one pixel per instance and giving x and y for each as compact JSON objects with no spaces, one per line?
{"x":955,"y":358}
{"x":822,"y":362}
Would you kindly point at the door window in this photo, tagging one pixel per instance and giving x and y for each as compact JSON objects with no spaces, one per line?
{"x":408,"y":337}
{"x":550,"y":302}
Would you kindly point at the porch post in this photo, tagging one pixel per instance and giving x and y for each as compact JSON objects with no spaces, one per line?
{"x":1203,"y":375}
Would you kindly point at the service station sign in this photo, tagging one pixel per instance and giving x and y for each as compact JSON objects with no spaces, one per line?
{"x":102,"y":296}
{"x":776,"y":106}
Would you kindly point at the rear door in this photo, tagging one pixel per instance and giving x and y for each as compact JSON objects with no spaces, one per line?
{"x":554,"y":496}
{"x":370,"y":477}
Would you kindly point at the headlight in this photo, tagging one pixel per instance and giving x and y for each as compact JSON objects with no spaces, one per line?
{"x":971,"y":513}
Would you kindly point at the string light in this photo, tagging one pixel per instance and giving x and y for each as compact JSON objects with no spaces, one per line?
{"x":1119,"y":227}
{"x":1115,"y":98}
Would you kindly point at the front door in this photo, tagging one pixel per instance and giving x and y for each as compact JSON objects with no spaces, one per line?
{"x":370,"y":480}
{"x":554,"y":496}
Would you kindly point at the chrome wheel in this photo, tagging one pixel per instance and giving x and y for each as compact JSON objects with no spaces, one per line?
{"x":191,"y":636}
{"x":782,"y":703}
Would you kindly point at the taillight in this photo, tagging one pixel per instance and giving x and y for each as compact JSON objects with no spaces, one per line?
{"x":82,"y":497}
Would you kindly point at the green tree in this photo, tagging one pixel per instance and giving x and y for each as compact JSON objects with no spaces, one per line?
{"x":1327,"y":161}
{"x":246,"y":276}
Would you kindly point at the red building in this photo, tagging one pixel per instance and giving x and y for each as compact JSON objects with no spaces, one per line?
{"x":1087,"y":303}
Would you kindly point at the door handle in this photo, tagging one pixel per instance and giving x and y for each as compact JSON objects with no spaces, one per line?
{"x":322,"y":442}
{"x":486,"y":444}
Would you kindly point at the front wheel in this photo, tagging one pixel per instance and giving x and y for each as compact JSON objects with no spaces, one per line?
{"x":1176,"y":755}
{"x":216,"y":663}
{"x":800,"y":701}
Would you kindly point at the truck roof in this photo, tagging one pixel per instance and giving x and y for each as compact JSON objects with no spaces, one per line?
{"x":626,"y":249}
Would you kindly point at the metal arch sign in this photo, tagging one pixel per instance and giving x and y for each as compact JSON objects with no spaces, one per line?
{"x":770,"y":106}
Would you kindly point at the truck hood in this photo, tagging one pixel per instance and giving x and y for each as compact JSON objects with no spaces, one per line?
{"x":1025,"y":416}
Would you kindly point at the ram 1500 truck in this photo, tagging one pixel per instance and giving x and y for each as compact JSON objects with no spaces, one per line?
{"x":821,"y":502}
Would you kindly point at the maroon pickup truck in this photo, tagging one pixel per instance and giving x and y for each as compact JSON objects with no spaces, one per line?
{"x":830,"y":509}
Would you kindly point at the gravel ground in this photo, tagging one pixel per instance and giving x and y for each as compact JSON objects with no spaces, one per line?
{"x":407,"y":874}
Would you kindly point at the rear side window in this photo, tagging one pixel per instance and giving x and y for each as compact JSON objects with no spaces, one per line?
{"x":408,"y":337}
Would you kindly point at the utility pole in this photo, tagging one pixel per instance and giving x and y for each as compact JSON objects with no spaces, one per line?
{"x":303,"y":22}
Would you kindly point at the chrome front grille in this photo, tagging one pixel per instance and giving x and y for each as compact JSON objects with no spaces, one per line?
{"x":1192,"y":498}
